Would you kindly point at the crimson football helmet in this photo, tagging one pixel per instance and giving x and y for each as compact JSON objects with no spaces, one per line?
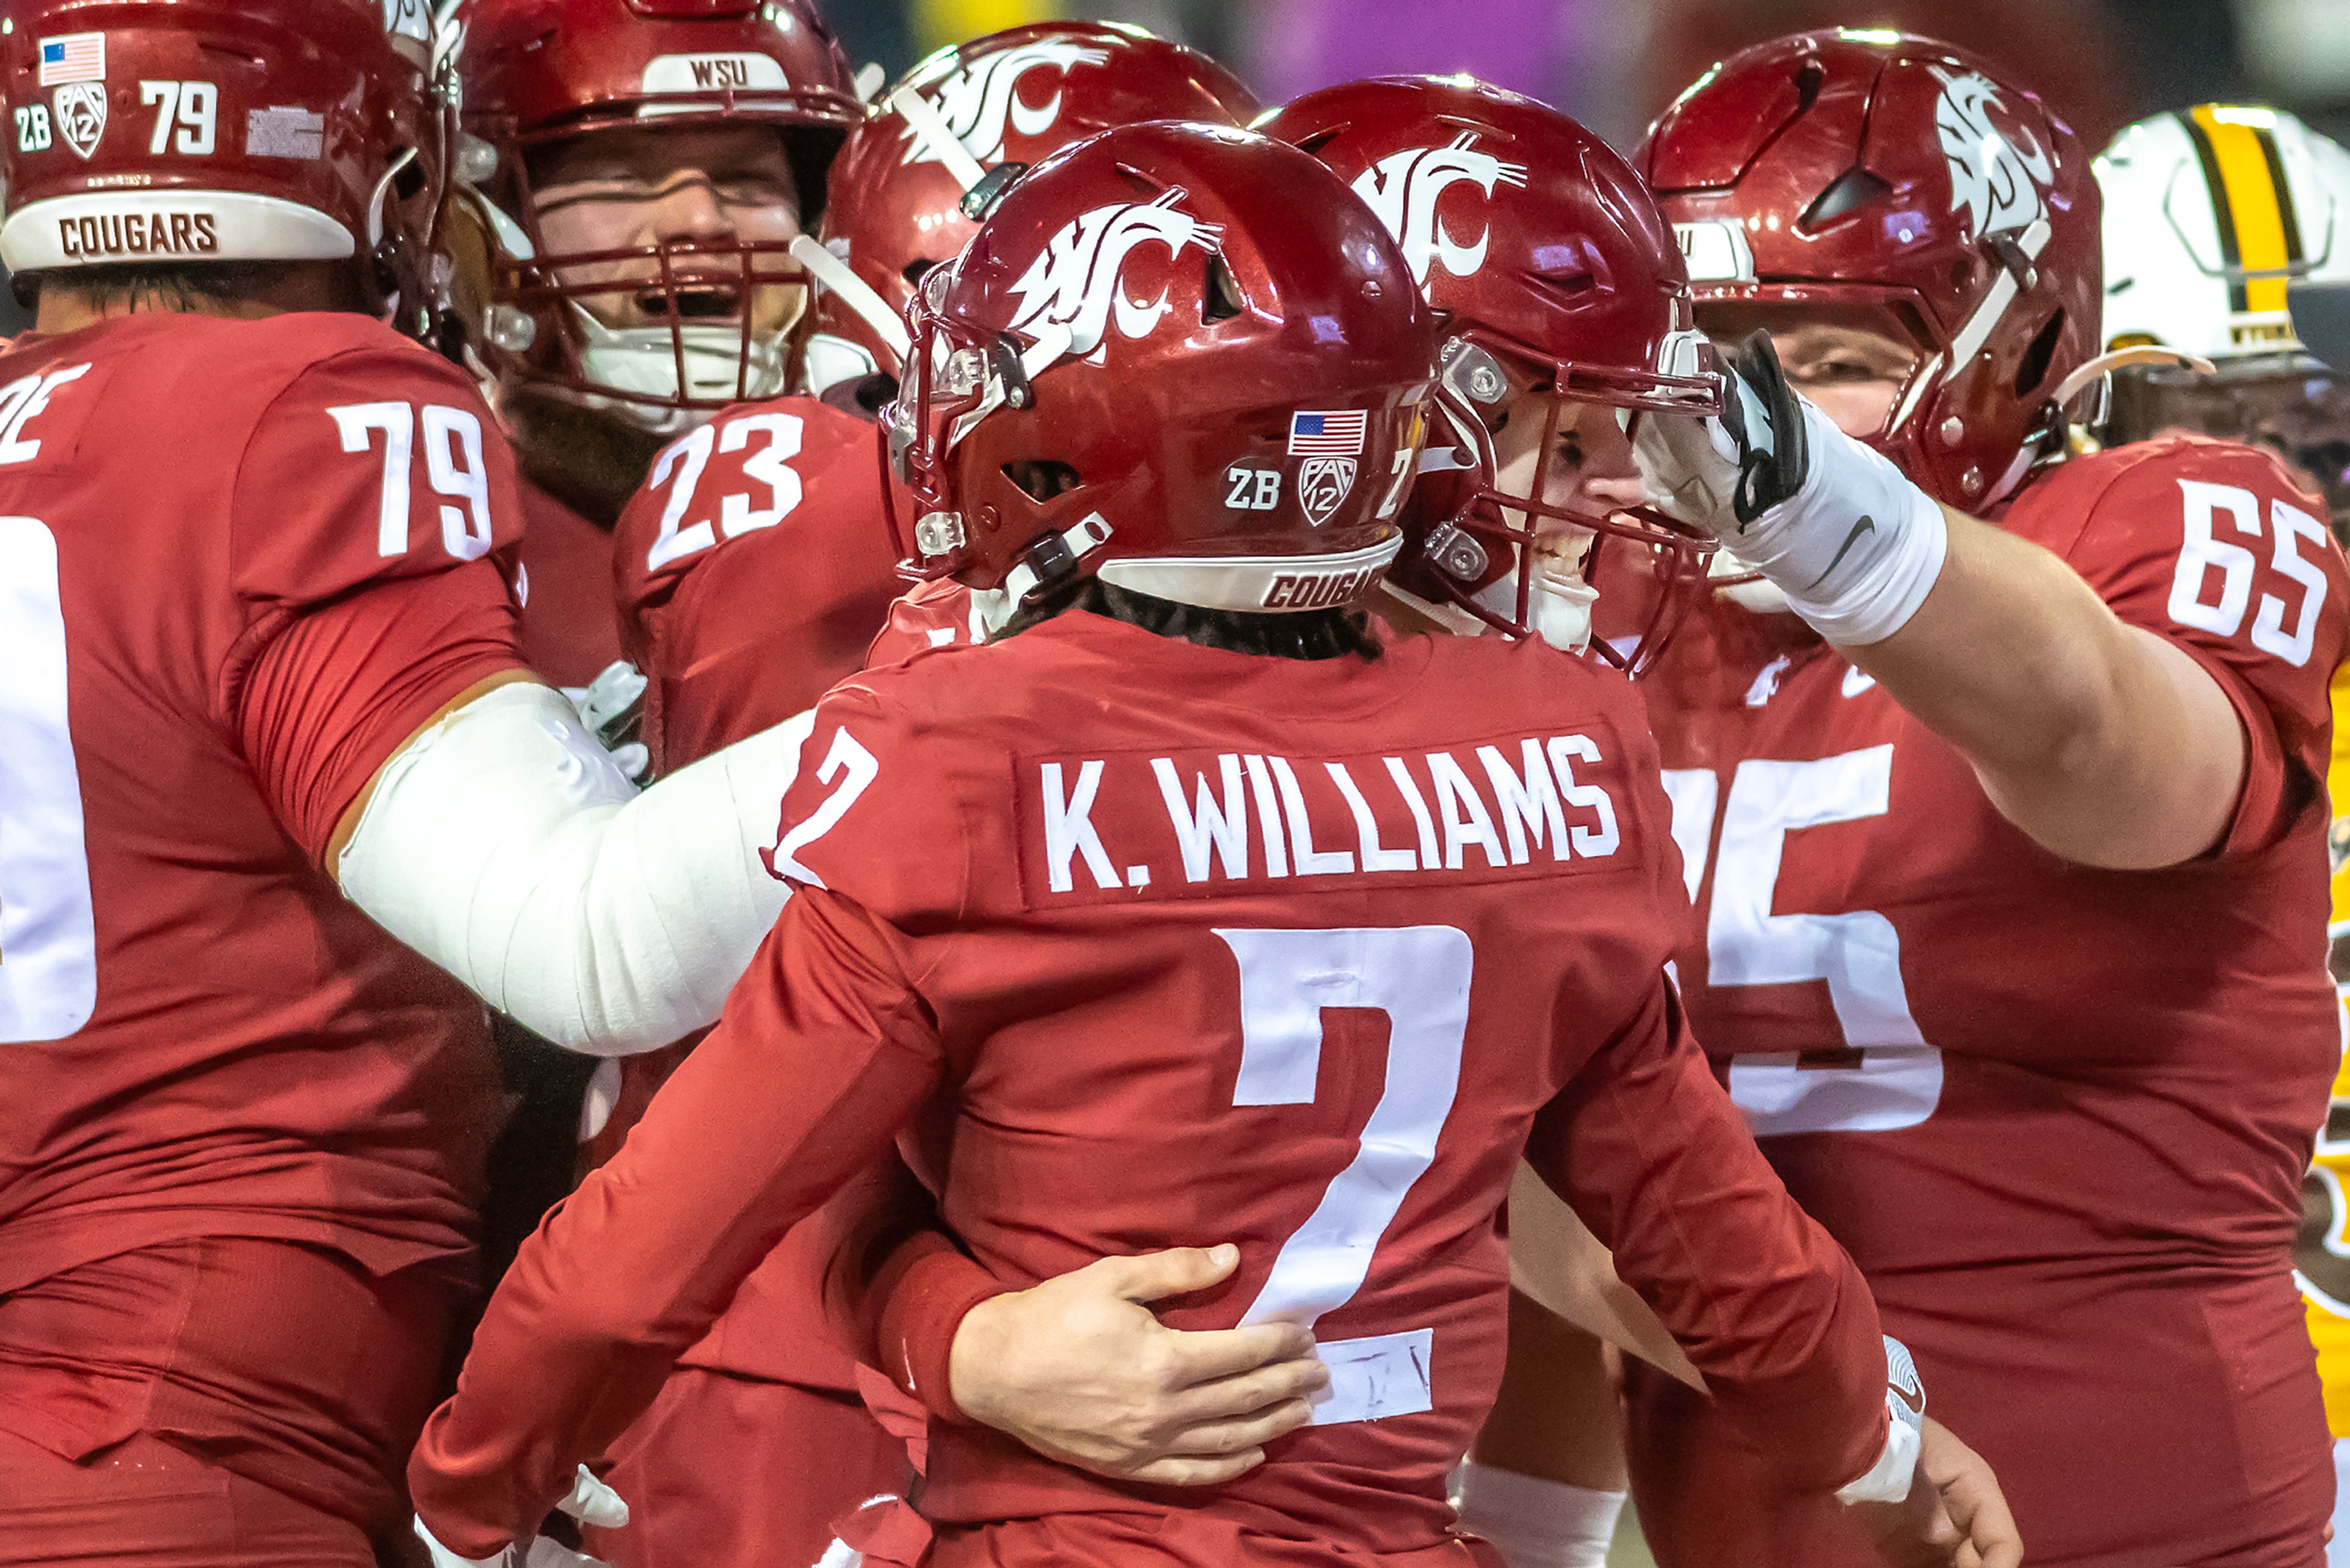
{"x":943,"y":142}
{"x":221,"y":130}
{"x":534,"y":72}
{"x":1905,"y":182}
{"x":1181,"y":357}
{"x":1550,"y":268}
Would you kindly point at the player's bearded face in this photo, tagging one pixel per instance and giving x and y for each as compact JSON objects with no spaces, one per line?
{"x":628,"y":190}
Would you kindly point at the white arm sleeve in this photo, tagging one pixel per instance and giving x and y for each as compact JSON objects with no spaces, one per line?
{"x":504,"y":845}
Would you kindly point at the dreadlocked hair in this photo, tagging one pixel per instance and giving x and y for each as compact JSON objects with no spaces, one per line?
{"x":1334,"y":633}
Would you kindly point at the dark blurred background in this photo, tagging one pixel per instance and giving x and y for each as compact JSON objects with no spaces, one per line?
{"x":1614,"y":63}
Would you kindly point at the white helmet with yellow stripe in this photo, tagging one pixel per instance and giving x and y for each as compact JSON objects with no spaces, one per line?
{"x":2210,"y":214}
{"x":2213,"y":216}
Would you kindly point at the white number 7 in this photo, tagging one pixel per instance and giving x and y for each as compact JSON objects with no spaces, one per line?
{"x":1418,"y":976}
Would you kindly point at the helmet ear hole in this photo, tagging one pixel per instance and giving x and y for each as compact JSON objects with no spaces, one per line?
{"x":1223,"y":300}
{"x":2034,"y":369}
{"x":1041,"y":480}
{"x":1854,"y":189}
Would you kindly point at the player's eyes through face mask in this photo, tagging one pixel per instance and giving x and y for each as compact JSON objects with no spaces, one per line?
{"x":1854,"y":362}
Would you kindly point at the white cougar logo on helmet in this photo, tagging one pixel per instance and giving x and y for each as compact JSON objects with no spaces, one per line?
{"x":1403,"y":189}
{"x":1995,"y":175}
{"x":1075,"y":285}
{"x":981,"y":98}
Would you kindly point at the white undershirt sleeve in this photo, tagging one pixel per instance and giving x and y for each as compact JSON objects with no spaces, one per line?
{"x":504,"y":845}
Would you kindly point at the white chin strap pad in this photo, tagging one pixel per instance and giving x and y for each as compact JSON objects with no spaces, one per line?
{"x":504,"y":845}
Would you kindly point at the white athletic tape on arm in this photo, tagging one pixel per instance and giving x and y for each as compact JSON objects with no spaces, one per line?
{"x":1858,"y":548}
{"x":504,"y":845}
{"x":1538,"y":1523}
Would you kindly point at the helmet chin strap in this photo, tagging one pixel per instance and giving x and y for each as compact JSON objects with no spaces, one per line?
{"x":938,"y":138}
{"x":643,"y":360}
{"x":844,"y":285}
{"x":1559,"y":609}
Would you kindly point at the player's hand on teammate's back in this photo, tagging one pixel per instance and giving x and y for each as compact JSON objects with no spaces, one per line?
{"x":1954,"y":1517}
{"x":1917,"y":1531}
{"x":1080,"y":1370}
{"x":1971,"y":1497}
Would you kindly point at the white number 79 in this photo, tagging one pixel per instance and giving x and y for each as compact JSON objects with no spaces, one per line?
{"x":193,"y":108}
{"x":454,"y":461}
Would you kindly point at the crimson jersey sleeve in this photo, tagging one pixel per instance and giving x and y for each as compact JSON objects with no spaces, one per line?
{"x":752,"y":571}
{"x":1649,"y":1150}
{"x":370,"y":509}
{"x":825,"y":1049}
{"x":343,"y":688}
{"x":2217,"y":549}
{"x":936,"y":614}
{"x":868,"y":814}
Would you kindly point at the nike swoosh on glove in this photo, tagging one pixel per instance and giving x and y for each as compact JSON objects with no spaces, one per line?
{"x":1854,"y":544}
{"x":590,"y":1503}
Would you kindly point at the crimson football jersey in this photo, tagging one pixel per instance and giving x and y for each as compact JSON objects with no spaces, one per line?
{"x":1194,"y":947}
{"x":753,"y":571}
{"x":569,"y":632}
{"x":2059,"y":1116}
{"x":240,"y":564}
{"x":753,"y":568}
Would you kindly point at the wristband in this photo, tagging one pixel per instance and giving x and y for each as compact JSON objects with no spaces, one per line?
{"x":1888,"y":1480}
{"x":1857,"y":549}
{"x":1538,"y":1523}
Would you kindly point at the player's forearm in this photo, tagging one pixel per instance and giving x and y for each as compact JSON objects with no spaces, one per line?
{"x":897,"y":1286}
{"x":802,"y":1087}
{"x":502,"y":845}
{"x":2104,"y":744}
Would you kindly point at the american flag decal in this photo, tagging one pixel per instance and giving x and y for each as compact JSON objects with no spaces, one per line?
{"x":1332,"y":434}
{"x":75,"y":57}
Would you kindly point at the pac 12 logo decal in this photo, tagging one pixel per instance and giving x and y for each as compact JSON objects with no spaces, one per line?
{"x":1075,"y":286}
{"x":1328,"y":443}
{"x":81,"y":115}
{"x":982,"y":101}
{"x":1404,"y":189}
{"x":1996,"y":171}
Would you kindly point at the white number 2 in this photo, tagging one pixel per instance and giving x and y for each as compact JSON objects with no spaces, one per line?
{"x":453,"y":462}
{"x":191,"y":107}
{"x":2205,"y":552}
{"x":1896,"y":1079}
{"x":49,"y":935}
{"x":847,"y":761}
{"x":1418,"y":976}
{"x":771,"y":466}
